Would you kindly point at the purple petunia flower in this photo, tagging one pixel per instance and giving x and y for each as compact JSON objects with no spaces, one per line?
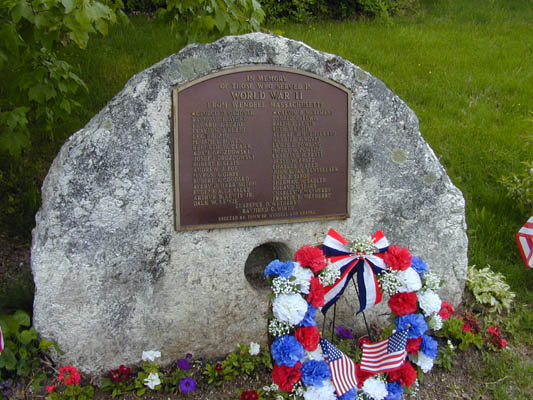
{"x":183,"y":364}
{"x":344,"y":333}
{"x":187,"y":385}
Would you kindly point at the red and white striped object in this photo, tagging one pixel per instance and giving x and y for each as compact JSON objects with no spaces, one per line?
{"x":386,"y":355}
{"x":524,"y":239}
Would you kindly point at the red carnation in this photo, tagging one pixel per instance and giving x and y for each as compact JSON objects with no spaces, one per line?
{"x":406,"y":374}
{"x":285,"y":377}
{"x":399,"y":259}
{"x":308,"y":336}
{"x":316,"y":293}
{"x":249,"y":395}
{"x":446,"y":310}
{"x":311,"y":257}
{"x":69,"y":375}
{"x":403,"y":303}
{"x":413,"y":345}
{"x":361,"y":375}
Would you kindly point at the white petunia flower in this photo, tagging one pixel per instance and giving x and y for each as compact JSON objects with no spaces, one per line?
{"x":435,"y":322}
{"x":410,"y":280}
{"x":302,"y":277}
{"x":375,"y":388}
{"x":290,"y":308}
{"x":151,"y":355}
{"x":325,"y":392}
{"x":254,"y":349}
{"x":429,"y":302}
{"x":423,"y":361}
{"x":152,"y":381}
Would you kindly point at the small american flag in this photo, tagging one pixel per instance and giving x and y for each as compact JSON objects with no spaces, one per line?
{"x":524,"y":239}
{"x":342,"y":368}
{"x":386,"y":355}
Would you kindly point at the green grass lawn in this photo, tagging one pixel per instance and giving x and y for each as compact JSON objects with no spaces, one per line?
{"x":464,"y":67}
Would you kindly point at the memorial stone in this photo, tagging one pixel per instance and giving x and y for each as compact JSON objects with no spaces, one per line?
{"x":159,"y":216}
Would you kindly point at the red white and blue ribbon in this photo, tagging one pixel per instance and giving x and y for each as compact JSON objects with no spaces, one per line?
{"x":366,"y":266}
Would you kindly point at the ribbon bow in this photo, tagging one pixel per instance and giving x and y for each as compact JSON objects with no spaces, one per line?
{"x":363,"y":259}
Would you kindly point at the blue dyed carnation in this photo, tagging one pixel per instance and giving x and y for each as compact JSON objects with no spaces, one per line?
{"x":395,"y":390}
{"x":419,"y":265}
{"x":429,"y":347}
{"x":279,"y":268}
{"x":414,"y":323}
{"x":309,"y":318}
{"x":349,"y":395}
{"x":314,"y":372}
{"x":286,"y":350}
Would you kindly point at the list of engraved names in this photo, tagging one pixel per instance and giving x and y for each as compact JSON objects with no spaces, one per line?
{"x":259,"y":146}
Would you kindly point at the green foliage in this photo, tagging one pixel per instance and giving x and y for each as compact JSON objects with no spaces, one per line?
{"x":23,"y":349}
{"x":39,"y":88}
{"x":453,"y":329}
{"x":301,"y":10}
{"x":205,"y":20}
{"x":445,"y":356}
{"x":520,"y":187}
{"x":144,"y":5}
{"x":73,"y":392}
{"x":489,"y":288}
{"x":237,"y":363}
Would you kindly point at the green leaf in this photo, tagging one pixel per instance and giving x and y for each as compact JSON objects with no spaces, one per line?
{"x":69,"y":5}
{"x":8,"y":360}
{"x":22,"y":317}
{"x":27,"y":336}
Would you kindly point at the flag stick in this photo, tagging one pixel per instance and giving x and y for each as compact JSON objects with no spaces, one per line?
{"x":364,"y":316}
{"x":334,"y":315}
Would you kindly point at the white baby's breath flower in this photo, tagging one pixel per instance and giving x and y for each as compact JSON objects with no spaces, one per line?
{"x":431,"y":281}
{"x":329,"y":275}
{"x":389,"y":282}
{"x":429,"y":302}
{"x":290,"y":308}
{"x":278,"y":328}
{"x":254,"y":349}
{"x":375,"y":388}
{"x":151,"y":355}
{"x":152,"y":381}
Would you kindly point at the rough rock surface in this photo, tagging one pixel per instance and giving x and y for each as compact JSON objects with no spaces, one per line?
{"x":113,"y":277}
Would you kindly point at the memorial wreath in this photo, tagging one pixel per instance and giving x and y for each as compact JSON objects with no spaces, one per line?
{"x":307,"y":365}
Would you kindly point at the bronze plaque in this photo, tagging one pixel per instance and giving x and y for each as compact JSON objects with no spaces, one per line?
{"x":260,"y":145}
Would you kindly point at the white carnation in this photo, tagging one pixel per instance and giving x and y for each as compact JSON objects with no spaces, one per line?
{"x":290,"y":308}
{"x":375,"y":388}
{"x":435,"y":322}
{"x":302,"y":277}
{"x":430,"y":302}
{"x":314,"y":355}
{"x":410,"y":280}
{"x":423,"y":361}
{"x":325,"y":392}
